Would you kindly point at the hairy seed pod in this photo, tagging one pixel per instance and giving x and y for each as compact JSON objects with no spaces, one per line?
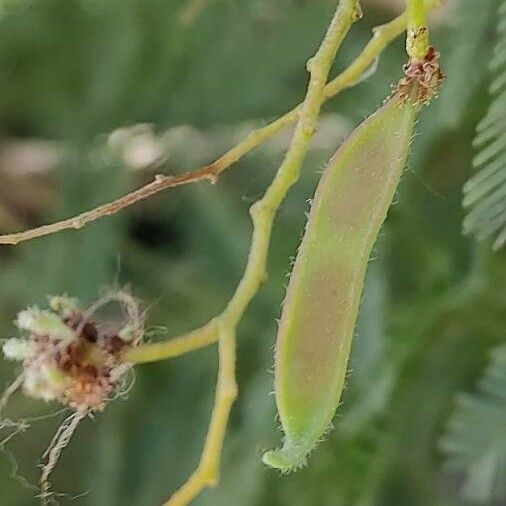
{"x":322,"y":301}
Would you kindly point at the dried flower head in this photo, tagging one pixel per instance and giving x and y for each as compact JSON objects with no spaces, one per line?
{"x":66,"y":355}
{"x":422,"y":79}
{"x":69,"y":358}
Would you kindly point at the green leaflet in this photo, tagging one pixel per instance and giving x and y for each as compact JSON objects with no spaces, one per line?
{"x":323,"y":297}
{"x":485,"y":192}
{"x":468,"y":40}
{"x":481,"y":454}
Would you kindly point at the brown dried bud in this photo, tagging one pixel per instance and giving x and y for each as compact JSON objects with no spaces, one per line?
{"x":67,"y":358}
{"x":422,"y":79}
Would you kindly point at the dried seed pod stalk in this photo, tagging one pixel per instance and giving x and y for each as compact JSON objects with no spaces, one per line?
{"x":323,"y":296}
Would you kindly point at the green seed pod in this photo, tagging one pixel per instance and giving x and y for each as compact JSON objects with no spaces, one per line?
{"x":322,"y":301}
{"x":323,"y":297}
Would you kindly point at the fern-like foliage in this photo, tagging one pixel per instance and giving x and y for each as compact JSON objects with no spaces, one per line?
{"x":485,"y":192}
{"x":475,"y":441}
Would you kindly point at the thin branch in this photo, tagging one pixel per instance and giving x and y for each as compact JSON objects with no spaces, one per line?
{"x":171,"y":348}
{"x":160,"y":183}
{"x":383,"y":36}
{"x":208,"y":334}
{"x":263,"y":213}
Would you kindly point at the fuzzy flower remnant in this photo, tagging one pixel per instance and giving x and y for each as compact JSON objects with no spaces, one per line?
{"x":67,"y":357}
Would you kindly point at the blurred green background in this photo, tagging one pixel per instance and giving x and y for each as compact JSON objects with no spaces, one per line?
{"x":423,"y":420}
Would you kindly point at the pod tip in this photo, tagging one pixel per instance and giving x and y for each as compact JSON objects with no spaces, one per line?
{"x":287,"y":459}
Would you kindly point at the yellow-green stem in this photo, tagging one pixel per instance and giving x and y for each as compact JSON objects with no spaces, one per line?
{"x":383,"y":35}
{"x":171,"y":348}
{"x":262,"y":213}
{"x":417,"y":40}
{"x":223,"y":328}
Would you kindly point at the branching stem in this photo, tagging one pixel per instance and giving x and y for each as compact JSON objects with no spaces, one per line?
{"x":208,"y":334}
{"x":171,"y":348}
{"x":383,"y":35}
